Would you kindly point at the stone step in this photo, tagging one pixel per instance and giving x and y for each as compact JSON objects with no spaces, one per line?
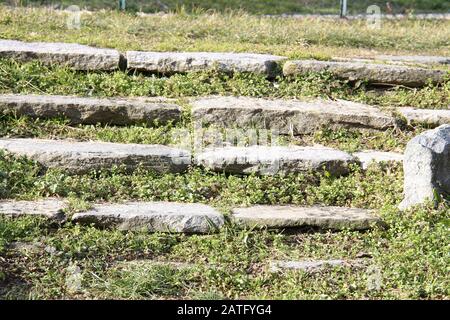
{"x":282,"y":217}
{"x":286,"y":116}
{"x":312,"y":266}
{"x":73,"y":55}
{"x":81,"y":157}
{"x":402,"y":60}
{"x":52,"y":209}
{"x":431,"y":117}
{"x":81,"y":110}
{"x":366,"y":157}
{"x":426,"y":60}
{"x":174,"y":62}
{"x":371,"y":72}
{"x":271,"y":160}
{"x":154,"y":217}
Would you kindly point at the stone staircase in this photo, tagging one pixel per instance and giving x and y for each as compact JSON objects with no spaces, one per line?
{"x":285,"y":117}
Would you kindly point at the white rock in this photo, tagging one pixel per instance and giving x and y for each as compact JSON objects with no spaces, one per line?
{"x":426,"y":166}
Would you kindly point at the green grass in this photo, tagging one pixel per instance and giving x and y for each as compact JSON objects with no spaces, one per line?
{"x":251,"y":6}
{"x":232,"y":31}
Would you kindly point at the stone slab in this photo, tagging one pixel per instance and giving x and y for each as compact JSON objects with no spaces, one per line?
{"x":371,"y":72}
{"x":73,"y":55}
{"x":426,"y":166}
{"x":281,"y":217}
{"x":271,"y":160}
{"x":81,"y":157}
{"x":366,"y":157}
{"x":180,"y":62}
{"x":311,"y":266}
{"x":432,"y":117}
{"x":415,"y":59}
{"x":53,"y":209}
{"x":154,"y":217}
{"x":287,"y":116}
{"x":81,"y":110}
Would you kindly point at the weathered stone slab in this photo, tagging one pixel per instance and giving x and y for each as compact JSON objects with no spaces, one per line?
{"x":52,"y":209}
{"x":287,"y":116}
{"x":81,"y":157}
{"x":154,"y":217}
{"x":426,"y":166}
{"x":371,"y":72}
{"x":80,"y":110}
{"x":415,"y":59}
{"x":73,"y":55}
{"x":280,"y":217}
{"x":174,"y":62}
{"x":270,"y":160}
{"x":366,"y":157}
{"x":424,"y":61}
{"x":432,"y":117}
{"x":312,"y":266}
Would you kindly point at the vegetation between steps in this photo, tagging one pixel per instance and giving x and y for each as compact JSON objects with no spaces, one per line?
{"x":35,"y":78}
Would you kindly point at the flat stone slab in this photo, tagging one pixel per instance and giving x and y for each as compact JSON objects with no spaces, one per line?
{"x":424,"y":61}
{"x":281,"y":217}
{"x":175,"y":62}
{"x":426,"y":166}
{"x":371,"y":72}
{"x":287,"y":116}
{"x":415,"y":59}
{"x":312,"y":266}
{"x":366,"y":157}
{"x":53,"y":209}
{"x":154,"y":217}
{"x":73,"y":55}
{"x":271,"y":160}
{"x":80,"y":110}
{"x":433,"y":117}
{"x":81,"y":157}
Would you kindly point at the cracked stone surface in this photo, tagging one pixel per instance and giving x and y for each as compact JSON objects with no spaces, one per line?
{"x":280,"y":217}
{"x":271,"y":160}
{"x":52,"y":209}
{"x":73,"y":55}
{"x":81,"y":157}
{"x":371,"y":72}
{"x":79,"y":110}
{"x":287,"y":116}
{"x":154,"y":216}
{"x":426,"y":166}
{"x":174,"y":62}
